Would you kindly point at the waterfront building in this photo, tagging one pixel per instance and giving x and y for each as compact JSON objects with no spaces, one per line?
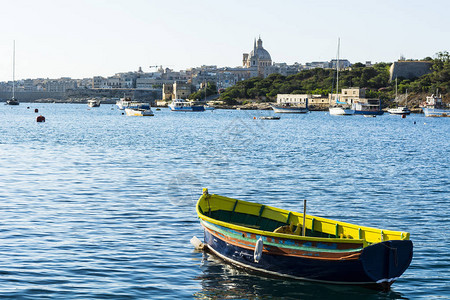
{"x":350,"y":96}
{"x":318,"y":102}
{"x":177,"y":90}
{"x":293,"y":99}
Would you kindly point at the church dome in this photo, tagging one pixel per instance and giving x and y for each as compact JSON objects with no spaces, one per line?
{"x":261,"y":54}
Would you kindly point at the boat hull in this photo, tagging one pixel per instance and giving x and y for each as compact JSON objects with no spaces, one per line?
{"x":139,"y":112}
{"x":290,"y":110}
{"x":340,"y":111}
{"x":399,"y":111}
{"x":12,"y":102}
{"x":187,"y":108}
{"x":378,"y":265}
{"x":435,"y":112}
{"x":367,"y":112}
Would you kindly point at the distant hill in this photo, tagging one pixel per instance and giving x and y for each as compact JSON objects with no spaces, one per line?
{"x":321,"y":81}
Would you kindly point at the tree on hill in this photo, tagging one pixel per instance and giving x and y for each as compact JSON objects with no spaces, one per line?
{"x":211,"y":89}
{"x":321,"y":81}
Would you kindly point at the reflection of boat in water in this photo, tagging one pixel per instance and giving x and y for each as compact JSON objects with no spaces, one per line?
{"x":93,"y":103}
{"x":139,"y":112}
{"x":434,"y":107}
{"x":183,"y":105}
{"x":225,"y":281}
{"x":371,"y":107}
{"x":287,"y":108}
{"x":298,"y":246}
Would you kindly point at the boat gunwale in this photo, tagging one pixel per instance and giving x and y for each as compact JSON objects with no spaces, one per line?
{"x":233,"y":226}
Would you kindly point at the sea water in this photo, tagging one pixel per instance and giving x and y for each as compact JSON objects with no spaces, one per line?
{"x":95,"y":204}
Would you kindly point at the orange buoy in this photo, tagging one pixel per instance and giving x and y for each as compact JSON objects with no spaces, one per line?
{"x":40,"y":118}
{"x":36,"y":110}
{"x":403,"y":116}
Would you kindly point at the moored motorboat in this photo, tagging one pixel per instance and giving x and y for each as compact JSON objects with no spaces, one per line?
{"x":93,"y":103}
{"x":269,"y":118}
{"x":293,"y":245}
{"x":139,"y":112}
{"x":371,"y":107}
{"x":434,"y":107}
{"x":341,"y":111}
{"x":289,"y":109}
{"x":183,"y":105}
{"x":401,"y":110}
{"x":127,"y":102}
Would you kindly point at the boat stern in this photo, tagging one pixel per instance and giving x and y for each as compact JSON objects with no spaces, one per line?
{"x":385,"y":262}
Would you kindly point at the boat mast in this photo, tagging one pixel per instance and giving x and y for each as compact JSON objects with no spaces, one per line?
{"x":14,"y":67}
{"x":406,"y":100}
{"x":337,"y":71}
{"x":396,"y":88}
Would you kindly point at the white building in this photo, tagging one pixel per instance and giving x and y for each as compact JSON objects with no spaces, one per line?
{"x":293,"y":99}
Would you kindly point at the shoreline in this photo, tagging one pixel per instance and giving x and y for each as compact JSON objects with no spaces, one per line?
{"x":252,"y":106}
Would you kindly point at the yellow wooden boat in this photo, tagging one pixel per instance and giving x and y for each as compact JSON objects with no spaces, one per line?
{"x":300,"y":246}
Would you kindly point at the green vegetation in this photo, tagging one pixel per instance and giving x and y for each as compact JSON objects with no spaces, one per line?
{"x":211,"y":89}
{"x":321,"y":81}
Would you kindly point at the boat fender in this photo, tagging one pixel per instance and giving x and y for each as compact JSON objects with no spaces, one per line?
{"x":258,"y":250}
{"x":197,"y":243}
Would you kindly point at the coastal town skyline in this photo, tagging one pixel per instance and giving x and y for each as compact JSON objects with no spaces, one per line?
{"x":101,"y":38}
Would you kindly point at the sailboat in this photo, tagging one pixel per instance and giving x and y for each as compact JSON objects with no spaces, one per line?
{"x":13,"y":100}
{"x":340,"y":108}
{"x":400,"y":110}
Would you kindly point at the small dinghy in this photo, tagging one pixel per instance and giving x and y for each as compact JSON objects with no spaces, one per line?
{"x":269,"y":118}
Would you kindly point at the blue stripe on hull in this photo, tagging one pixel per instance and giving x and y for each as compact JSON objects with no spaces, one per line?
{"x":191,"y":108}
{"x":376,"y":113}
{"x":370,"y":269}
{"x":338,"y":271}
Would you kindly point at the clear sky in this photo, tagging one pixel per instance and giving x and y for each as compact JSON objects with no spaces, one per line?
{"x":86,"y":38}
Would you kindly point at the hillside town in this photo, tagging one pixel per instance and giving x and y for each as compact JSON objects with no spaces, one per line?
{"x":162,"y":83}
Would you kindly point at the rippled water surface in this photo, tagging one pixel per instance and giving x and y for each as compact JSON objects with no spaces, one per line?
{"x":95,"y":204}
